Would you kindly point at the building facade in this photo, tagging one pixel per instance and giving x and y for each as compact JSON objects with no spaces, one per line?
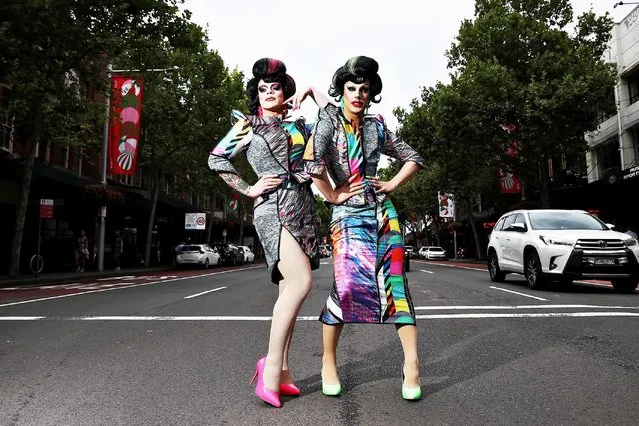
{"x":67,"y":175}
{"x":614,"y":147}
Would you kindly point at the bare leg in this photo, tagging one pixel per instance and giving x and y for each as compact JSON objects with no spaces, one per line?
{"x":330,"y":337}
{"x":285,"y":376}
{"x":296,"y":270}
{"x":408,"y":337}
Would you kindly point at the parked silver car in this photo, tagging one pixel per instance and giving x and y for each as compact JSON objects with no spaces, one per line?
{"x":197,"y":254}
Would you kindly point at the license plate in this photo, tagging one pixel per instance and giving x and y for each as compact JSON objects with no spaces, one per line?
{"x":605,"y":262}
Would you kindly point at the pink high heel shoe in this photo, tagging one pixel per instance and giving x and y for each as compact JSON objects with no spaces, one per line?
{"x":289,"y":389}
{"x":268,"y":396}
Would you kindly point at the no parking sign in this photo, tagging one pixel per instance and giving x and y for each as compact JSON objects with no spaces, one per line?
{"x":195,"y":221}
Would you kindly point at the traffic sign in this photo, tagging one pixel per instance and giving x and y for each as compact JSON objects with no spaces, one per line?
{"x":46,"y":209}
{"x":195,"y":221}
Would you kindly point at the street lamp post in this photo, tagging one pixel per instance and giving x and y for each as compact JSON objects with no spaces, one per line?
{"x":105,"y":153}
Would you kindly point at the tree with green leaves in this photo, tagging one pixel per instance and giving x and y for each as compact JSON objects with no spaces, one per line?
{"x":53,"y":54}
{"x":186,"y":110}
{"x":554,"y":81}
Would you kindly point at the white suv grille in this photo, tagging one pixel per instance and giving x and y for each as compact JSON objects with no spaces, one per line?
{"x":601,"y":245}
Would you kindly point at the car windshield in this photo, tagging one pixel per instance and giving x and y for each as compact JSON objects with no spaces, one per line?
{"x":190,"y":248}
{"x":564,"y":220}
{"x":435,"y":249}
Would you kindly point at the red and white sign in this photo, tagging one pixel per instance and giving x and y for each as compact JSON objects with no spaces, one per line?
{"x":124,"y":124}
{"x":195,"y":221}
{"x":46,"y":209}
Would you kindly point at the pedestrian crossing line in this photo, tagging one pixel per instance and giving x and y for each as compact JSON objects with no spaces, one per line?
{"x":315,"y":318}
{"x":498,"y":307}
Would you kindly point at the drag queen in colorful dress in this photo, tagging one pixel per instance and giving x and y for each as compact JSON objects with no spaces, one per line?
{"x":284,"y":208}
{"x":370,"y":284}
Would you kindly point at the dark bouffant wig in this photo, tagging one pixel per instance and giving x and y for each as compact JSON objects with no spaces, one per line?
{"x":357,"y":69}
{"x":270,"y":70}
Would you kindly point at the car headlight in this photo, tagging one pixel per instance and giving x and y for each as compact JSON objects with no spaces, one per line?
{"x":631,"y":242}
{"x":554,"y":241}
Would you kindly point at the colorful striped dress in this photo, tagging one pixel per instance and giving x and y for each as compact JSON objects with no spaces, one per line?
{"x":370,"y":284}
{"x":274,"y":146}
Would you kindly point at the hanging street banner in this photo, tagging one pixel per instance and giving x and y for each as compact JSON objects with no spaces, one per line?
{"x":231,"y":204}
{"x":124,"y":124}
{"x":195,"y":221}
{"x":509,"y":183}
{"x":446,"y":204}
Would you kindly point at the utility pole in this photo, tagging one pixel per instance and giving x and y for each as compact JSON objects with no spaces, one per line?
{"x":105,"y":152}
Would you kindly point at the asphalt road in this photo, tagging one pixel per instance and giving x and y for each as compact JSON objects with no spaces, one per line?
{"x":180,"y":348}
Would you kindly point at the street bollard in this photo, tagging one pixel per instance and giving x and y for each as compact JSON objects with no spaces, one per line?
{"x":406,"y":262}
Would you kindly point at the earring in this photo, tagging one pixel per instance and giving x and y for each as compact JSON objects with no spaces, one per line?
{"x":342,"y":102}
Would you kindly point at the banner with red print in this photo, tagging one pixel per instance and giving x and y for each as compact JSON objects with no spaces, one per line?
{"x":509,"y":183}
{"x":124,"y":125}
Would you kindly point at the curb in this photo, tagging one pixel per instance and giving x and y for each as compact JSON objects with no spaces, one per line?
{"x":31,"y":280}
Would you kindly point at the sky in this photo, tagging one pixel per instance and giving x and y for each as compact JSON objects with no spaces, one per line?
{"x":408,"y":38}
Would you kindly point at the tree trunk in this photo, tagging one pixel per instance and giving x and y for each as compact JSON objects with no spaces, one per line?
{"x":240,"y":214}
{"x":543,"y":187}
{"x":473,"y":226}
{"x":155,"y":192}
{"x":21,"y":210}
{"x":524,"y":188}
{"x":209,"y":230}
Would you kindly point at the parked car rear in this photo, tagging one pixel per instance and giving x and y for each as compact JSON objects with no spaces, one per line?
{"x":197,"y":254}
{"x":435,"y":253}
{"x":230,"y":254}
{"x":409,"y":251}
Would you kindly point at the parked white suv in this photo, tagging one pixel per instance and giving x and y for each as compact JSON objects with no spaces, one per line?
{"x":562,"y":245}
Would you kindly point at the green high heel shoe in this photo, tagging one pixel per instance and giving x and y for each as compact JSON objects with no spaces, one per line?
{"x":331,"y":390}
{"x":410,"y":394}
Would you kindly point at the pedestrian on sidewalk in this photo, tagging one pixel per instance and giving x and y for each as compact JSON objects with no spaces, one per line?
{"x":118,"y":249}
{"x":81,"y":252}
{"x":284,"y":212}
{"x":369,"y":279}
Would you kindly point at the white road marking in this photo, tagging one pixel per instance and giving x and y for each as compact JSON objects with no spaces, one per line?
{"x":124,"y":277}
{"x":21,"y":318}
{"x":204,"y":292}
{"x":518,"y":293}
{"x":123,"y":287}
{"x":482,"y":307}
{"x":428,"y":272}
{"x":531,"y":315}
{"x":315,"y":318}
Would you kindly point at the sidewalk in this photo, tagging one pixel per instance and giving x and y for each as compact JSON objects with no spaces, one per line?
{"x":58,"y":277}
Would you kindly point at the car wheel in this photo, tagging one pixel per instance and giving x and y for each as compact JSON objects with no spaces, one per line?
{"x":496,"y":274}
{"x":533,"y":273}
{"x":625,"y":285}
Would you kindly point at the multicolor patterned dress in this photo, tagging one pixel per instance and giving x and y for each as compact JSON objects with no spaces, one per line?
{"x":274,"y":146}
{"x":370,"y":284}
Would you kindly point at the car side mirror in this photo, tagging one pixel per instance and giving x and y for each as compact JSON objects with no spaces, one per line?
{"x":611,"y":226}
{"x":518,"y":227}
